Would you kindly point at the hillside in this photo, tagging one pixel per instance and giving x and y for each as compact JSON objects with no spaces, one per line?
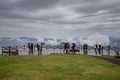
{"x":57,"y":67}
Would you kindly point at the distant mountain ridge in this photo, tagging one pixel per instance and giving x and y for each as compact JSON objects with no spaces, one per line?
{"x":48,"y":41}
{"x":24,"y":40}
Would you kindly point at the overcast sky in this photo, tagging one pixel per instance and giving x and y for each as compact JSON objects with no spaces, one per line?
{"x":59,"y":18}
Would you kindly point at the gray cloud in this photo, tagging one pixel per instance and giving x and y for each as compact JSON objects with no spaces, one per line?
{"x":59,"y":18}
{"x":37,"y":4}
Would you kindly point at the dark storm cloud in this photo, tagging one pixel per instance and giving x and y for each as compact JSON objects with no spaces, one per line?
{"x":5,"y":5}
{"x":27,"y":4}
{"x":37,"y":4}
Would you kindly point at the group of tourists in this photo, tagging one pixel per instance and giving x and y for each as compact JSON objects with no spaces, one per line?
{"x":98,"y":48}
{"x":67,"y":48}
{"x":32,"y":46}
{"x":73,"y":49}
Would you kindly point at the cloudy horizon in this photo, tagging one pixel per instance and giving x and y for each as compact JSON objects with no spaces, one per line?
{"x":59,"y":18}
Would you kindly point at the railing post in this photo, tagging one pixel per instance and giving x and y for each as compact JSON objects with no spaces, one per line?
{"x":2,"y":51}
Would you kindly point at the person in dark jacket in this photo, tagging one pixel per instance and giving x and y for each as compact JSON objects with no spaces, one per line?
{"x":99,"y":49}
{"x":85,"y":49}
{"x":65,"y":46}
{"x":38,"y":48}
{"x":41,"y":49}
{"x":29,"y":48}
{"x":108,"y":49}
{"x":32,"y":47}
{"x":73,"y":47}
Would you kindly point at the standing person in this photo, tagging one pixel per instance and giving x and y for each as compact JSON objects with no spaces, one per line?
{"x":96,"y":48}
{"x":38,"y":48}
{"x":32,"y":46}
{"x":41,"y":49}
{"x":99,"y":49}
{"x":67,"y":48}
{"x":29,"y":48}
{"x":108,"y":49}
{"x":85,"y":47}
{"x":73,"y":47}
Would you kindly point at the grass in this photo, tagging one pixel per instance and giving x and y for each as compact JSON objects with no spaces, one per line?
{"x":57,"y":67}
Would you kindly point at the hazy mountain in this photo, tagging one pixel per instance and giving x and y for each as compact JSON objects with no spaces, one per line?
{"x":49,"y":41}
{"x":16,"y":41}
